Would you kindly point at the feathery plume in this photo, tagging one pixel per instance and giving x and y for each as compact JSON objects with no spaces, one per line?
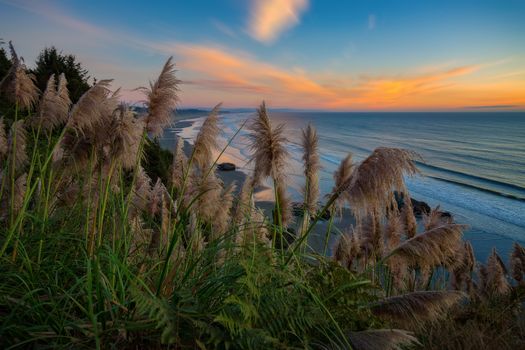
{"x":222,"y":215}
{"x":89,"y":111}
{"x":409,"y":218}
{"x":284,"y":204}
{"x":142,"y":192}
{"x":19,"y":193}
{"x":3,"y":140}
{"x":54,"y":104}
{"x":371,"y":235}
{"x":19,"y":86}
{"x":126,"y":136}
{"x":267,"y":144}
{"x":180,"y":166}
{"x":393,"y":230}
{"x":496,"y":280}
{"x":65,"y":102}
{"x":162,"y":99}
{"x":434,"y":219}
{"x":517,"y":262}
{"x":431,"y":248}
{"x":245,"y":201}
{"x":206,"y":141}
{"x":382,"y":339}
{"x":341,"y":179}
{"x":373,"y":183}
{"x":17,"y":144}
{"x":347,"y":248}
{"x":208,"y":190}
{"x":312,"y":165}
{"x":461,"y":273}
{"x":413,"y":309}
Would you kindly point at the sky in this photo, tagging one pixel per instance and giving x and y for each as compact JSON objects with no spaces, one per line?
{"x":343,"y":55}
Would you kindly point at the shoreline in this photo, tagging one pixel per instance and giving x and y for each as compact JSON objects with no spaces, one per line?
{"x":482,"y":241}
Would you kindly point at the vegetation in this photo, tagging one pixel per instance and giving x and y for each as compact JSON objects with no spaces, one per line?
{"x":97,"y":252}
{"x":50,"y":61}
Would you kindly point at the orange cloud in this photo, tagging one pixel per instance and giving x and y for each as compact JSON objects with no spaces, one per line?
{"x":239,"y":79}
{"x":269,"y":18}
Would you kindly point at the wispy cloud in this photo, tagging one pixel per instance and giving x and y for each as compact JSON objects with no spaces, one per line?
{"x":223,"y":28}
{"x":269,"y":18}
{"x":249,"y":78}
{"x":213,"y":73}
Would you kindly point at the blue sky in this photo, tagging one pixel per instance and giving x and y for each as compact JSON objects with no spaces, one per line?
{"x":340,"y":55}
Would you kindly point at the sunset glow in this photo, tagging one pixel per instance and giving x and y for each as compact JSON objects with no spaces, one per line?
{"x":294,"y":53}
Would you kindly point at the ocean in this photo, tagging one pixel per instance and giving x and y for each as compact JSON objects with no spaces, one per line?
{"x":473,"y":162}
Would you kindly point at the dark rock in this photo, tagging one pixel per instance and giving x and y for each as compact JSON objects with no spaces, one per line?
{"x":420,"y":207}
{"x":298,"y":211}
{"x":226,"y":167}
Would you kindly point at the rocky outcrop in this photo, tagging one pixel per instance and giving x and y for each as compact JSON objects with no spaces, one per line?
{"x":226,"y":167}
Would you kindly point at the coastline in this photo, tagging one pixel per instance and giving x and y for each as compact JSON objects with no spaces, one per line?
{"x":263,"y":194}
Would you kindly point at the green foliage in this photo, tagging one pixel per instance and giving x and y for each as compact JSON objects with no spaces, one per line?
{"x":157,"y":161}
{"x":51,"y":61}
{"x":5,"y":63}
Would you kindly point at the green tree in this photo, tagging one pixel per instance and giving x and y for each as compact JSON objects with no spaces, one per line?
{"x":50,"y":61}
{"x":5,"y":63}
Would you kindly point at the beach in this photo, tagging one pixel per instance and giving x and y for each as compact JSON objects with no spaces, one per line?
{"x":490,"y":208}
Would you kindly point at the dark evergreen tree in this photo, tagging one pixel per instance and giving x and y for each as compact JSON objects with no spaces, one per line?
{"x":50,"y":61}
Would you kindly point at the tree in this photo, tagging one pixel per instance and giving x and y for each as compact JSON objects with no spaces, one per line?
{"x":50,"y":61}
{"x":5,"y":63}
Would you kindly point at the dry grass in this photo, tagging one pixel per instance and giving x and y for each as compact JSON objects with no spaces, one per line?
{"x":372,"y":184}
{"x":17,"y":144}
{"x":382,"y":339}
{"x":162,"y":99}
{"x":206,"y":141}
{"x":54,"y":105}
{"x":413,"y":309}
{"x":268,"y":147}
{"x":19,"y":86}
{"x":438,"y":246}
{"x":310,"y":142}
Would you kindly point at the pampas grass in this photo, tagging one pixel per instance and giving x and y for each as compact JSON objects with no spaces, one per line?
{"x":342,"y":178}
{"x":126,"y":137}
{"x":408,"y":218}
{"x":180,"y":168}
{"x":4,"y":148}
{"x":19,"y":86}
{"x":517,"y":262}
{"x":268,"y":147}
{"x":347,"y":248}
{"x":312,"y":165}
{"x":116,"y":250}
{"x":413,"y":309}
{"x":382,"y":339}
{"x":162,"y":99}
{"x":89,"y":112}
{"x":54,"y":104}
{"x":373,"y":182}
{"x":17,"y":144}
{"x":393,"y":231}
{"x":496,"y":281}
{"x":438,"y":246}
{"x":206,"y":141}
{"x":222,"y":217}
